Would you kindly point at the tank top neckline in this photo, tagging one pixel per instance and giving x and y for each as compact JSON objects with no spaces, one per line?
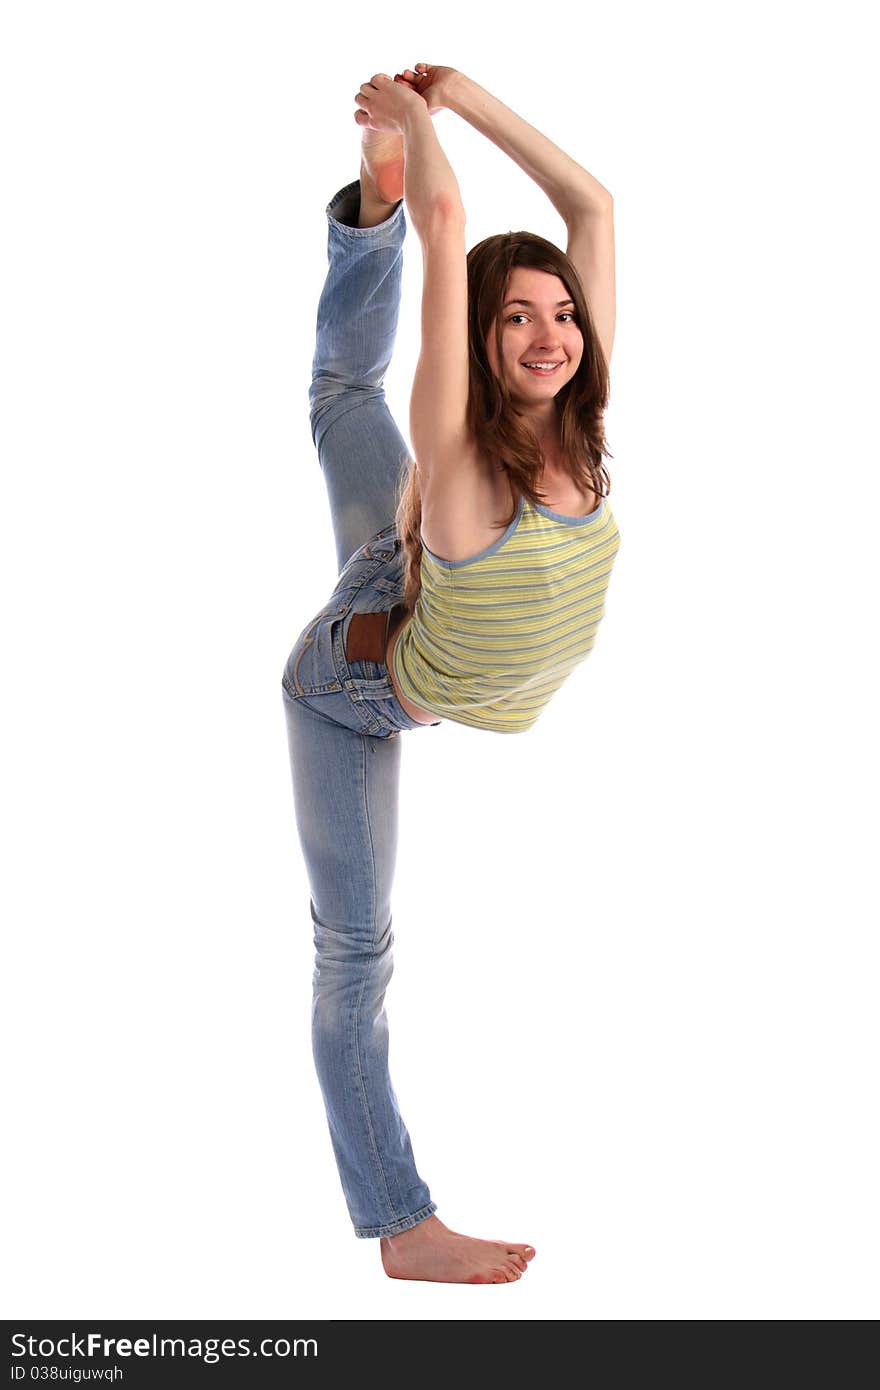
{"x":522,"y":502}
{"x":569,"y":520}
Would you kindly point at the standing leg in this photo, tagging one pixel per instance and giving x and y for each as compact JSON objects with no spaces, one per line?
{"x":346,"y":799}
{"x":361,"y":450}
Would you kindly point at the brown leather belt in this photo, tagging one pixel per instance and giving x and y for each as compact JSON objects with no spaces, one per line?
{"x":367,"y":635}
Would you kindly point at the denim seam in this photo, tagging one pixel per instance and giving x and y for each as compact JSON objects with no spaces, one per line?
{"x":328,"y":687}
{"x":366,"y":974}
{"x":370,"y":726}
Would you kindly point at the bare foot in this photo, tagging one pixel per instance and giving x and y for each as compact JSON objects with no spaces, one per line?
{"x":431,"y":1251}
{"x":382,"y":165}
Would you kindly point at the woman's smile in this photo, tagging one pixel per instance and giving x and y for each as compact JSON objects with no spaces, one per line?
{"x":542,"y":368}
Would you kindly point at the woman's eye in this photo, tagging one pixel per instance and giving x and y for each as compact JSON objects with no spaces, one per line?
{"x":564,"y":315}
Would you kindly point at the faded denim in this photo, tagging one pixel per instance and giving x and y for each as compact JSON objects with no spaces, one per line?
{"x":344,"y":721}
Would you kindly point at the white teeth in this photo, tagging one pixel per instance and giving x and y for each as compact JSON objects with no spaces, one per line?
{"x":542,"y":366}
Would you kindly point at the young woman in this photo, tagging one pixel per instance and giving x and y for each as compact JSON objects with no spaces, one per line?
{"x":464,"y":592}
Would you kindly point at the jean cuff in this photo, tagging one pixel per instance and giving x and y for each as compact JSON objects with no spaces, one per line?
{"x":393,"y":1228}
{"x":344,"y":208}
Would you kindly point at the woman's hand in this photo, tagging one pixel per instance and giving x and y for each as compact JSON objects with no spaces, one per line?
{"x":385,"y":104}
{"x":434,"y":84}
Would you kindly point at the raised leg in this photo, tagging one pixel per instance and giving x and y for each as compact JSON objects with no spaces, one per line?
{"x":361,"y":450}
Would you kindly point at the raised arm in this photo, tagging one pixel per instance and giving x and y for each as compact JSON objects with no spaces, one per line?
{"x":433,"y":202}
{"x":585,"y":205}
{"x":438,"y":404}
{"x":568,"y":186}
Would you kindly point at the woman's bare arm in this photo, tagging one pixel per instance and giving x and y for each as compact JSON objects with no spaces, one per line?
{"x":429,"y":184}
{"x":434,"y":206}
{"x":586,"y":207}
{"x":438,"y":404}
{"x":569,"y":187}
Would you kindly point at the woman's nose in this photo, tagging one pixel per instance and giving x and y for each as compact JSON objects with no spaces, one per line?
{"x":548,"y":335}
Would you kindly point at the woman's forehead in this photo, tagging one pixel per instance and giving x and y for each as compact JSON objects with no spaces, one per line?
{"x":532,"y":283}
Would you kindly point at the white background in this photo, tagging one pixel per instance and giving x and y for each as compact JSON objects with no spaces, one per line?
{"x":633,"y":1017}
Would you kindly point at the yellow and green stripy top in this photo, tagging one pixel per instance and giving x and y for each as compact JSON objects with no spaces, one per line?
{"x":493,"y":637}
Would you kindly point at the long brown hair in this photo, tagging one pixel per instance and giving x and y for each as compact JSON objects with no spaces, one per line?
{"x":500,"y":435}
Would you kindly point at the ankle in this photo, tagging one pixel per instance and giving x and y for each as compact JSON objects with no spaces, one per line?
{"x":373,"y":209}
{"x":430,"y":1226}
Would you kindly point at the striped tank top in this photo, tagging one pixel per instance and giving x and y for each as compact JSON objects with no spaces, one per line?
{"x":493,"y":637}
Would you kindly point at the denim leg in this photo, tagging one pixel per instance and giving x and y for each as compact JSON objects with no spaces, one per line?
{"x":362,"y":453}
{"x":345,"y":787}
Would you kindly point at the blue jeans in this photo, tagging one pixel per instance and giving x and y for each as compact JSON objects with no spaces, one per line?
{"x":343,"y":725}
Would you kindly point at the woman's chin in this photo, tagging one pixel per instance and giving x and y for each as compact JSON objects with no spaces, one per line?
{"x":540,"y":391}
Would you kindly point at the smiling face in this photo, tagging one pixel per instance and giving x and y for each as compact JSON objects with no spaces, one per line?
{"x":543,"y":329}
